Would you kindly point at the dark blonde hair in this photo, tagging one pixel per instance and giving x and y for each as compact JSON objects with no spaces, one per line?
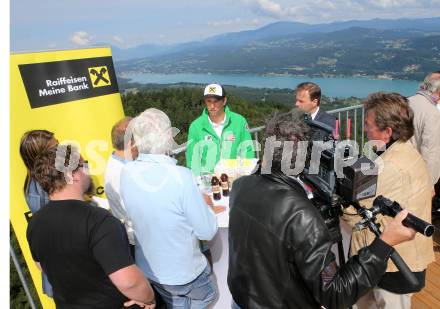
{"x":391,"y":110}
{"x":46,"y":173}
{"x":32,"y":144}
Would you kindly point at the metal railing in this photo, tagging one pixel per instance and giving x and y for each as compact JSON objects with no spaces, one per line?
{"x":348,"y":114}
{"x":22,"y":278}
{"x":346,"y":130}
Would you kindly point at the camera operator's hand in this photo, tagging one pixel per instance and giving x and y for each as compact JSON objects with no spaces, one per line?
{"x":396,"y":233}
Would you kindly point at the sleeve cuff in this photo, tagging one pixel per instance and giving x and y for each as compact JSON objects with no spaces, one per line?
{"x":381,"y":249}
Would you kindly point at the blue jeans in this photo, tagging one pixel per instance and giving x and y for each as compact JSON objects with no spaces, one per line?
{"x":234,"y":305}
{"x":47,"y":288}
{"x":197,"y":294}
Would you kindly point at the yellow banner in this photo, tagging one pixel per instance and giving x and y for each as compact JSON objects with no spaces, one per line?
{"x":74,"y":94}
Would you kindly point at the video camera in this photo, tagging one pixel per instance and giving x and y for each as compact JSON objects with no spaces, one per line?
{"x":341,"y":179}
{"x":357,"y":177}
{"x":357,"y":181}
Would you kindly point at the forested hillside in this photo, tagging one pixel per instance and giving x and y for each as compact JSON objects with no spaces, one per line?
{"x":183,"y":105}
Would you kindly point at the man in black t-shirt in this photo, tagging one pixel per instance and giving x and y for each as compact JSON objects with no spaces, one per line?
{"x":83,"y":250}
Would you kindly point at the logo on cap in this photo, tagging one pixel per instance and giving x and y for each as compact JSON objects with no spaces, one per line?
{"x":213,"y":90}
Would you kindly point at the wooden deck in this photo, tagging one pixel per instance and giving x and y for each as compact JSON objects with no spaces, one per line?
{"x":429,"y":297}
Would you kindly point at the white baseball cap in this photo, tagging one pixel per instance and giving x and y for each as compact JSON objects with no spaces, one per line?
{"x":214,"y":90}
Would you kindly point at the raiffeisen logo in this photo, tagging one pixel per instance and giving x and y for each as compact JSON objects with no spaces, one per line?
{"x":99,"y":76}
{"x":49,"y":83}
{"x":63,"y":85}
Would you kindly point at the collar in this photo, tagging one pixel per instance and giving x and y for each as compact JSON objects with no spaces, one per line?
{"x":277,"y":176}
{"x":387,"y":146}
{"x":216,"y":125}
{"x":207,"y":121}
{"x":392,"y":148}
{"x":314,"y":114}
{"x":123,"y":161}
{"x":292,"y":181}
{"x":156,"y":158}
{"x":428,"y":96}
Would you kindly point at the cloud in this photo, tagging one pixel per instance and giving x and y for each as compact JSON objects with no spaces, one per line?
{"x":118,"y":39}
{"x":81,"y":38}
{"x":227,"y":22}
{"x":235,"y":22}
{"x":271,"y":7}
{"x":387,"y":4}
{"x":330,"y":10}
{"x":267,"y":7}
{"x":300,"y":10}
{"x":183,"y":21}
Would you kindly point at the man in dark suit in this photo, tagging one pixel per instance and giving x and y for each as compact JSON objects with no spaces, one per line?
{"x":308,"y":99}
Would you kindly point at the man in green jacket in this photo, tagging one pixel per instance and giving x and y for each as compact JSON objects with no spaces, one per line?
{"x":217,"y":134}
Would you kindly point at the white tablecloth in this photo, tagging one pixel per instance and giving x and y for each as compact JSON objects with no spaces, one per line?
{"x":220,"y":254}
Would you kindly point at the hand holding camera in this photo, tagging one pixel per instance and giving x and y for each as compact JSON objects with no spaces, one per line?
{"x":396,"y":233}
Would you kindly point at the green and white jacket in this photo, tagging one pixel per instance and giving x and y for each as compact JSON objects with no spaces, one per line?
{"x":205,"y":148}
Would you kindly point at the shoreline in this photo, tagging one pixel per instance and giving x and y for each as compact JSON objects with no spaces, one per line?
{"x":333,"y":87}
{"x":383,"y":77}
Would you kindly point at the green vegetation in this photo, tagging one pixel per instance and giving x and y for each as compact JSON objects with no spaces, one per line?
{"x":258,"y":96}
{"x":18,"y":299}
{"x":184,"y":104}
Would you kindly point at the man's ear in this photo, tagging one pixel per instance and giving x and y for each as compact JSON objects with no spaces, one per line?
{"x":224,"y":101}
{"x":388,"y":134}
{"x":315,"y":101}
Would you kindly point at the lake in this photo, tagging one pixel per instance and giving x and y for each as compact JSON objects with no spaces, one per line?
{"x":342,"y":87}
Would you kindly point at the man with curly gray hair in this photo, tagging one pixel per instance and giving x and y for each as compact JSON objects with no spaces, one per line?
{"x":169,"y":216}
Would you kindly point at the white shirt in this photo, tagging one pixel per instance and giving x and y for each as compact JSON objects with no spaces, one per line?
{"x":218,"y":128}
{"x":315,"y":113}
{"x":112,"y":185}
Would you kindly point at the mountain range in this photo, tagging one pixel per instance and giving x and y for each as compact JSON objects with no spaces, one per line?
{"x":402,"y":48}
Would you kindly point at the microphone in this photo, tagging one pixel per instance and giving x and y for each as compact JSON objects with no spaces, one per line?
{"x":317,"y":124}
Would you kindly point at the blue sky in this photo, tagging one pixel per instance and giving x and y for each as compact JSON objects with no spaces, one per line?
{"x":53,"y":24}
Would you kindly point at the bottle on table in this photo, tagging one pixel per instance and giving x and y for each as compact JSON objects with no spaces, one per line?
{"x":224,"y":184}
{"x":215,"y":183}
